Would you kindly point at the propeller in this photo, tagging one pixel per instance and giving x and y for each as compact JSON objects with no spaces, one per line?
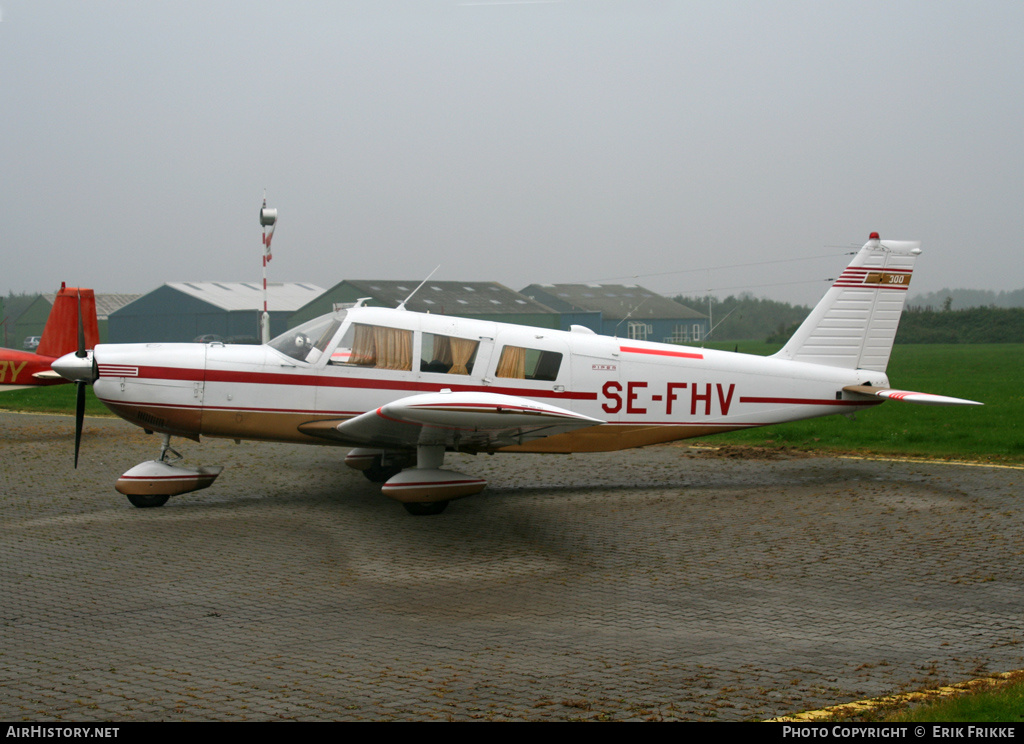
{"x":80,"y":368}
{"x":79,"y":416}
{"x":81,"y":353}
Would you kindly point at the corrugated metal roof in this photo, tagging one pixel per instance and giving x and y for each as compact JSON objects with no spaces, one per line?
{"x":613,"y":301}
{"x":289,"y":296}
{"x":461,"y":298}
{"x":108,"y":303}
{"x":105,"y":303}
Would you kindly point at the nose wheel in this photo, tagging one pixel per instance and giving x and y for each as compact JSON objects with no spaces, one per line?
{"x":147,"y":501}
{"x":425,"y":509}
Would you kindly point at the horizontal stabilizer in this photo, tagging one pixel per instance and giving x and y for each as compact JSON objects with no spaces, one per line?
{"x":925,"y":399}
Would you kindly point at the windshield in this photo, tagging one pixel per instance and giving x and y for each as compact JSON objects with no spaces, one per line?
{"x":308,"y":341}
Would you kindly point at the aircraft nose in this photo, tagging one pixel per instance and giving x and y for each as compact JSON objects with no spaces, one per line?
{"x":75,"y":368}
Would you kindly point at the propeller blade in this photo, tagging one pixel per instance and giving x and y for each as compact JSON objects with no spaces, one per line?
{"x":81,"y":330}
{"x":79,"y":416}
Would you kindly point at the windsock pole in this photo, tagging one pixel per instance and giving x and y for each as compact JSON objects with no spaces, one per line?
{"x":268,"y":218}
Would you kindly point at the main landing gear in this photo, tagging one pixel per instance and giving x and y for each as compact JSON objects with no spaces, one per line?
{"x":151,"y":483}
{"x":424,"y":489}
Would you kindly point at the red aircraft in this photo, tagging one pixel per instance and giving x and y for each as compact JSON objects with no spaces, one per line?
{"x":60,"y":337}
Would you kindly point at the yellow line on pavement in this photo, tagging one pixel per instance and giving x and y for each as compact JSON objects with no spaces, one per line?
{"x":866,"y":706}
{"x":928,"y":461}
{"x":881,"y":458}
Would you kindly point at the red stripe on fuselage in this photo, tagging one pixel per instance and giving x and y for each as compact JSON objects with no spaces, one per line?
{"x":807,"y":401}
{"x":662,"y":352}
{"x":246,"y":409}
{"x":276,"y":378}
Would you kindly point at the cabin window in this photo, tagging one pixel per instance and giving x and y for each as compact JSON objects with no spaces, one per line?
{"x":520,"y":363}
{"x":379,"y":347}
{"x":447,"y":354}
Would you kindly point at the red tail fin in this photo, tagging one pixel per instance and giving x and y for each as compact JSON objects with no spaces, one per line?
{"x":60,"y":336}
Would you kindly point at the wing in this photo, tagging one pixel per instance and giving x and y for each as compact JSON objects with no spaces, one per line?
{"x":466,"y":421}
{"x":925,"y":399}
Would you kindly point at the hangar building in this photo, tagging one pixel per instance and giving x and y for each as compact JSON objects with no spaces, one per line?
{"x":622,"y":310}
{"x":480,"y":300}
{"x":32,"y":321}
{"x":184,"y":311}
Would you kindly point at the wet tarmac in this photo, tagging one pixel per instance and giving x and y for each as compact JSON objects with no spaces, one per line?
{"x":655,"y":584}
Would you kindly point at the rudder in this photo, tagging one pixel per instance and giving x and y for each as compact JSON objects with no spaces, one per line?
{"x":854,"y":325}
{"x":60,"y":336}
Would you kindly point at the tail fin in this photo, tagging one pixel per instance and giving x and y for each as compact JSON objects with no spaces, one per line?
{"x":60,"y":336}
{"x":855,"y":323}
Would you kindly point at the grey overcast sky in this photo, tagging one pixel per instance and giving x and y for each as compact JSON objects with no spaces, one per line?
{"x":518,"y":142}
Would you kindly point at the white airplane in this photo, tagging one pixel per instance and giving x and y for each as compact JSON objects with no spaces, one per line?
{"x":403,"y":388}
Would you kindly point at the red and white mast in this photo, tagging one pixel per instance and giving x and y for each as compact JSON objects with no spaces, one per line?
{"x":268,"y":218}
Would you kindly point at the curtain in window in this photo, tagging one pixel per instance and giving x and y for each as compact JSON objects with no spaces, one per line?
{"x":364,"y":350}
{"x":394,"y":348}
{"x":442,"y":350}
{"x":460,"y":352}
{"x":512,"y":363}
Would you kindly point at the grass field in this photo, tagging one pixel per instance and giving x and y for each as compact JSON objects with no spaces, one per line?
{"x":1001,"y":705}
{"x":51,"y":399}
{"x":983,"y":372}
{"x":997,"y":699}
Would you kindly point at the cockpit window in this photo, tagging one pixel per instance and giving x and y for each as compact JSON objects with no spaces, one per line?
{"x":308,"y":341}
{"x":379,"y":347}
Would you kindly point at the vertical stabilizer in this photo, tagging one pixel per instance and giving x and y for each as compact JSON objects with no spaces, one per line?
{"x":854,"y":325}
{"x":60,"y":336}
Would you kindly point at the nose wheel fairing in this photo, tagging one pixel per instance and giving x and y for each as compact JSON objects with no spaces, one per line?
{"x":158,"y":478}
{"x":152,"y":482}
